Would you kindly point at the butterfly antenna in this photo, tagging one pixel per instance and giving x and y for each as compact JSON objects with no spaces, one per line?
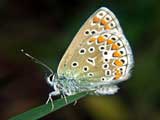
{"x":37,"y":61}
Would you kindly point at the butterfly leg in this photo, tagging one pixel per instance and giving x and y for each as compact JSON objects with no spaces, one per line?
{"x":65,"y":98}
{"x":75,"y":102}
{"x":53,"y":93}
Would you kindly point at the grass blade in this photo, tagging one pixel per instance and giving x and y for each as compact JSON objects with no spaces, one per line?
{"x":43,"y":110}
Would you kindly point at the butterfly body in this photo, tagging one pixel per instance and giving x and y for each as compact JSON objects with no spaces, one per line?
{"x":98,"y":58}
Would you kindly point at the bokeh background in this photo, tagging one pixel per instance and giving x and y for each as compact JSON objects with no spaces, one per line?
{"x":45,"y":28}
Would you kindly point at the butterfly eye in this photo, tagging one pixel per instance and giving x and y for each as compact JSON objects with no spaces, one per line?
{"x":75,"y":64}
{"x":51,"y":77}
{"x":108,"y":18}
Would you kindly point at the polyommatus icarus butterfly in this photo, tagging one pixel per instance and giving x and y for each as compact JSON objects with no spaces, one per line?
{"x":98,"y":58}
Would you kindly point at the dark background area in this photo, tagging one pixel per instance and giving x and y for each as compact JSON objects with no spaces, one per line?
{"x":45,"y":28}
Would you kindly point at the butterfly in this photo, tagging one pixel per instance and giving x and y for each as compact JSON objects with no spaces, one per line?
{"x":98,"y":58}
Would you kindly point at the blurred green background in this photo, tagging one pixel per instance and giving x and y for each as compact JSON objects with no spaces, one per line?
{"x":45,"y":28}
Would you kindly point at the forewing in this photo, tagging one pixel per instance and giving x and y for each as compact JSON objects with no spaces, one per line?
{"x":99,"y":52}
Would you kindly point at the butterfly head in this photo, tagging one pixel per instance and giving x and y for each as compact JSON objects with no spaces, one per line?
{"x":50,"y":79}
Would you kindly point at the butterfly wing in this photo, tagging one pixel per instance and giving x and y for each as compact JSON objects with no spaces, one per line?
{"x":99,"y":53}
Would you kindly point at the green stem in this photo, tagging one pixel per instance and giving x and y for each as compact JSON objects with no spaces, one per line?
{"x":43,"y":110}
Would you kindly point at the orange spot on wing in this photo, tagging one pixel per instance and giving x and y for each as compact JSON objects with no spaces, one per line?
{"x":92,"y":39}
{"x":109,"y":41}
{"x":115,"y":47}
{"x":118,"y":63}
{"x":96,"y":19}
{"x":107,"y":27}
{"x":116,"y":54}
{"x":103,"y":22}
{"x":118,"y":74}
{"x":101,"y":39}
